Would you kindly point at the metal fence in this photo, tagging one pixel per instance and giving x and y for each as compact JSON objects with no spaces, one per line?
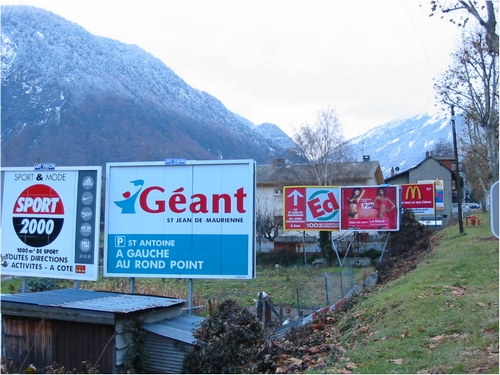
{"x":324,"y":290}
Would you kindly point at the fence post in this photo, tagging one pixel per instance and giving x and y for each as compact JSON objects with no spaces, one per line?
{"x":267,"y":310}
{"x":326,"y":289}
{"x":298,"y":303}
{"x":259,"y":308}
{"x":341,"y":285}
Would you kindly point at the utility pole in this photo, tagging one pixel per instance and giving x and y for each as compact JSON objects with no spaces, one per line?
{"x":457,"y":172}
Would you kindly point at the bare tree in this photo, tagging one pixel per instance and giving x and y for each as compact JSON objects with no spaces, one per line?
{"x":442,"y":148}
{"x":484,"y":15}
{"x":268,"y":222}
{"x":476,"y":166}
{"x":323,"y":143}
{"x":471,"y":85}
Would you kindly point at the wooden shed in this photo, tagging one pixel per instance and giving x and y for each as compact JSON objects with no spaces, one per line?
{"x":69,"y":326}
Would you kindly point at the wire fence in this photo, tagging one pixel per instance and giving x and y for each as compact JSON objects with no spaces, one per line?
{"x":320,"y":292}
{"x":324,"y":290}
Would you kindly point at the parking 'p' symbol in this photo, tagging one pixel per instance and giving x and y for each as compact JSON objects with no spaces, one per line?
{"x":120,"y":241}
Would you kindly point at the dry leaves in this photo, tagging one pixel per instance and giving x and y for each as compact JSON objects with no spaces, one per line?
{"x":398,"y":361}
{"x":456,"y":291}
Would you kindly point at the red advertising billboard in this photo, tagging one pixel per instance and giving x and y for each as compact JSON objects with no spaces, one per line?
{"x":419,"y":198}
{"x":370,"y":208}
{"x":311,"y":208}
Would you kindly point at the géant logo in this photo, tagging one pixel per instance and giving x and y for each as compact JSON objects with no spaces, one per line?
{"x":155,"y":199}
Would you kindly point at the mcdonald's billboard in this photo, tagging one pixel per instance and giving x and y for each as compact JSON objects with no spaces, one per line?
{"x":420,"y":198}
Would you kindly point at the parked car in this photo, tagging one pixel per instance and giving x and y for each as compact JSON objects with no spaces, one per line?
{"x":465,"y":209}
{"x":474,"y":205}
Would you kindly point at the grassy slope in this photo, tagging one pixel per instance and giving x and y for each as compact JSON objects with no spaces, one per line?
{"x":440,"y":318}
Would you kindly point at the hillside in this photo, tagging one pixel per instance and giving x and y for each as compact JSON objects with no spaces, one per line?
{"x":73,"y":98}
{"x":442,"y":317}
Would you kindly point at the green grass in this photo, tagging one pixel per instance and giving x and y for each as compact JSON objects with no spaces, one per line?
{"x":440,"y":318}
{"x":281,"y":284}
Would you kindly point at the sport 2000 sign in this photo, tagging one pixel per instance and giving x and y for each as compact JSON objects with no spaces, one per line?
{"x":50,"y":222}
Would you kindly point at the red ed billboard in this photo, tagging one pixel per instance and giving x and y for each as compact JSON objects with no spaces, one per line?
{"x":369,"y":208}
{"x":311,"y":208}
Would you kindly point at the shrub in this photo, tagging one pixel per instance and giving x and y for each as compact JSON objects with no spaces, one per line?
{"x":283,"y":257}
{"x":225,"y":341}
{"x":407,"y":247}
{"x":136,"y":357}
{"x":410,"y":235}
{"x":40,"y":285}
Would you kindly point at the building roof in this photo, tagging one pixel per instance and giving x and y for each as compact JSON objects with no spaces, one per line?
{"x":179,"y":328}
{"x":90,"y":305}
{"x":92,"y":300}
{"x":389,"y":179}
{"x":347,"y":173}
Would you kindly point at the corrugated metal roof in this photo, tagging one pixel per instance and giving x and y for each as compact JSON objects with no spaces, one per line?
{"x":180,"y":328}
{"x":92,"y":300}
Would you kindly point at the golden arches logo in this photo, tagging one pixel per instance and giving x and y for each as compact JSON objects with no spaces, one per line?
{"x":415,"y":192}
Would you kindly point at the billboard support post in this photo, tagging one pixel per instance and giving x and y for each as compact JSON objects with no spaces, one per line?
{"x":304,"y":242}
{"x":337,"y":253}
{"x":25,"y":284}
{"x":190,"y":297}
{"x":132,"y":285}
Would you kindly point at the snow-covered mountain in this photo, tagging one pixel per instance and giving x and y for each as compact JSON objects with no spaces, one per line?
{"x":403,"y":143}
{"x":73,"y":98}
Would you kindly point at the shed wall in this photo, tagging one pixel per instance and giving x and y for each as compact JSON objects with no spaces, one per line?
{"x":42,"y":342}
{"x":165,"y":355}
{"x":27,"y":341}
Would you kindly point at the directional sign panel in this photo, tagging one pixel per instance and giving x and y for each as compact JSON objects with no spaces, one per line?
{"x":494,"y":212}
{"x":311,"y":208}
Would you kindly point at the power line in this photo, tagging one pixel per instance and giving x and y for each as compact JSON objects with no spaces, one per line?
{"x":419,"y":40}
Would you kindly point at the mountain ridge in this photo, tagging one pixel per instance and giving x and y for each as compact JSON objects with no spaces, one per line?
{"x":73,"y":81}
{"x":402,"y":143}
{"x":74,"y":98}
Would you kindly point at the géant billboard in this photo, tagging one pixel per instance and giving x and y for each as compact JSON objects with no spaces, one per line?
{"x":51,"y":221}
{"x":187,"y":219}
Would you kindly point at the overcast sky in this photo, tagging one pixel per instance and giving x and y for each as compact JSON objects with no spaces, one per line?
{"x":282,"y":61}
